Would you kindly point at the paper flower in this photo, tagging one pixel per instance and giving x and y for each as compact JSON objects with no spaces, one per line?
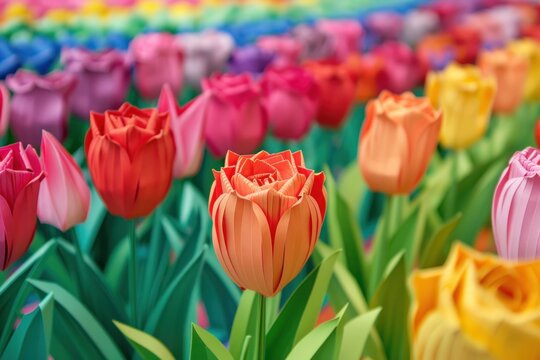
{"x":466,"y":98}
{"x":397,"y":140}
{"x":476,"y":306}
{"x":267,"y":212}
{"x":130,"y":155}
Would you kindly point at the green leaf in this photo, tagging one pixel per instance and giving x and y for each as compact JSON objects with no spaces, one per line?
{"x":343,"y":290}
{"x":393,"y":297}
{"x":88,"y":230}
{"x":99,"y":300}
{"x":478,"y":207}
{"x":116,"y":268}
{"x":353,"y":186}
{"x":82,"y":331}
{"x":147,"y":346}
{"x":356,"y":334}
{"x":12,"y":285}
{"x":204,"y":346}
{"x":166,"y":322}
{"x":32,"y":337}
{"x":434,"y":253}
{"x":300,"y":313}
{"x":323,"y":343}
{"x":244,"y":325}
{"x":344,"y":233}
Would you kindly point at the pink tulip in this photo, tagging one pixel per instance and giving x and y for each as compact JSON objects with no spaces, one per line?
{"x":346,"y":36}
{"x":158,"y":60}
{"x":287,"y":49}
{"x":516,"y":207}
{"x":401,"y":67}
{"x":4,"y":109}
{"x":20,"y":176}
{"x":236,"y":119}
{"x":103,"y":79}
{"x":291,"y":96}
{"x":39,"y":102}
{"x":64,"y":196}
{"x":187,"y":126}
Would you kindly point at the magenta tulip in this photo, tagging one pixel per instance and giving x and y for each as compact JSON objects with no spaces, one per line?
{"x":516,"y":207}
{"x":187,"y":126}
{"x":291,"y":96}
{"x":20,"y":177}
{"x":4,"y":109}
{"x":236,"y":119}
{"x":346,"y":36}
{"x":158,"y":60}
{"x":39,"y":103}
{"x":64,"y":195}
{"x":103,"y":79}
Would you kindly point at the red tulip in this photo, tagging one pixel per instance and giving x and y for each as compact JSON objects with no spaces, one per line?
{"x":20,"y":176}
{"x":64,"y":196}
{"x":337,"y":91}
{"x":130,"y":155}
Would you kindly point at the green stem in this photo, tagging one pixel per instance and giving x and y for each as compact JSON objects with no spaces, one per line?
{"x":133,"y":272}
{"x":261,"y":348}
{"x":452,"y":191}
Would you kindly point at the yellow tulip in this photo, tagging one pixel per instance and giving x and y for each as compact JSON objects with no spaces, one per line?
{"x":465,"y":97}
{"x":530,"y":49}
{"x":477,"y":306}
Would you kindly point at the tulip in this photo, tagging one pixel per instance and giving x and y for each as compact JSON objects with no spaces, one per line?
{"x":397,"y":140}
{"x":385,"y":25}
{"x":435,"y":52}
{"x":235,"y":116}
{"x":346,"y":36}
{"x":130,"y":155}
{"x":251,"y":59}
{"x":291,"y":100}
{"x":315,"y":44}
{"x":20,"y":176}
{"x":476,"y":306}
{"x":39,"y":103}
{"x":64,"y":195}
{"x":465,"y":97}
{"x":417,"y":24}
{"x":516,"y":198}
{"x":267,"y":212}
{"x":158,"y":61}
{"x":287,"y":49}
{"x":467,"y":41}
{"x":401,"y":67}
{"x":333,"y":78}
{"x":529,"y":49}
{"x":103,"y":79}
{"x":4,"y":109}
{"x":510,"y":73}
{"x":187,"y":127}
{"x":366,"y":70}
{"x":206,"y":52}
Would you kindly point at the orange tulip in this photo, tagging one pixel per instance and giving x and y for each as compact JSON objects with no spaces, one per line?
{"x":130,"y":155}
{"x":397,"y":140}
{"x":510,"y":73}
{"x":267,"y":211}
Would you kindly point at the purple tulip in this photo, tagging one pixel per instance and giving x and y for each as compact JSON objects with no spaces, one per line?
{"x":205,"y":53}
{"x":39,"y":103}
{"x":316,"y":45}
{"x":103,"y":79}
{"x":250,"y":59}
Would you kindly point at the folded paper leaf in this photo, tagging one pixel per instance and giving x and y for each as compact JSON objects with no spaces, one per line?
{"x":147,"y":346}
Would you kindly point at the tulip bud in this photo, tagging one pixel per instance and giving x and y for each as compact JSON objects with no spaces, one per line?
{"x":130,"y":155}
{"x":515,"y":203}
{"x":397,"y":140}
{"x":64,"y":195}
{"x":465,"y":97}
{"x":267,"y":212}
{"x":20,"y":176}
